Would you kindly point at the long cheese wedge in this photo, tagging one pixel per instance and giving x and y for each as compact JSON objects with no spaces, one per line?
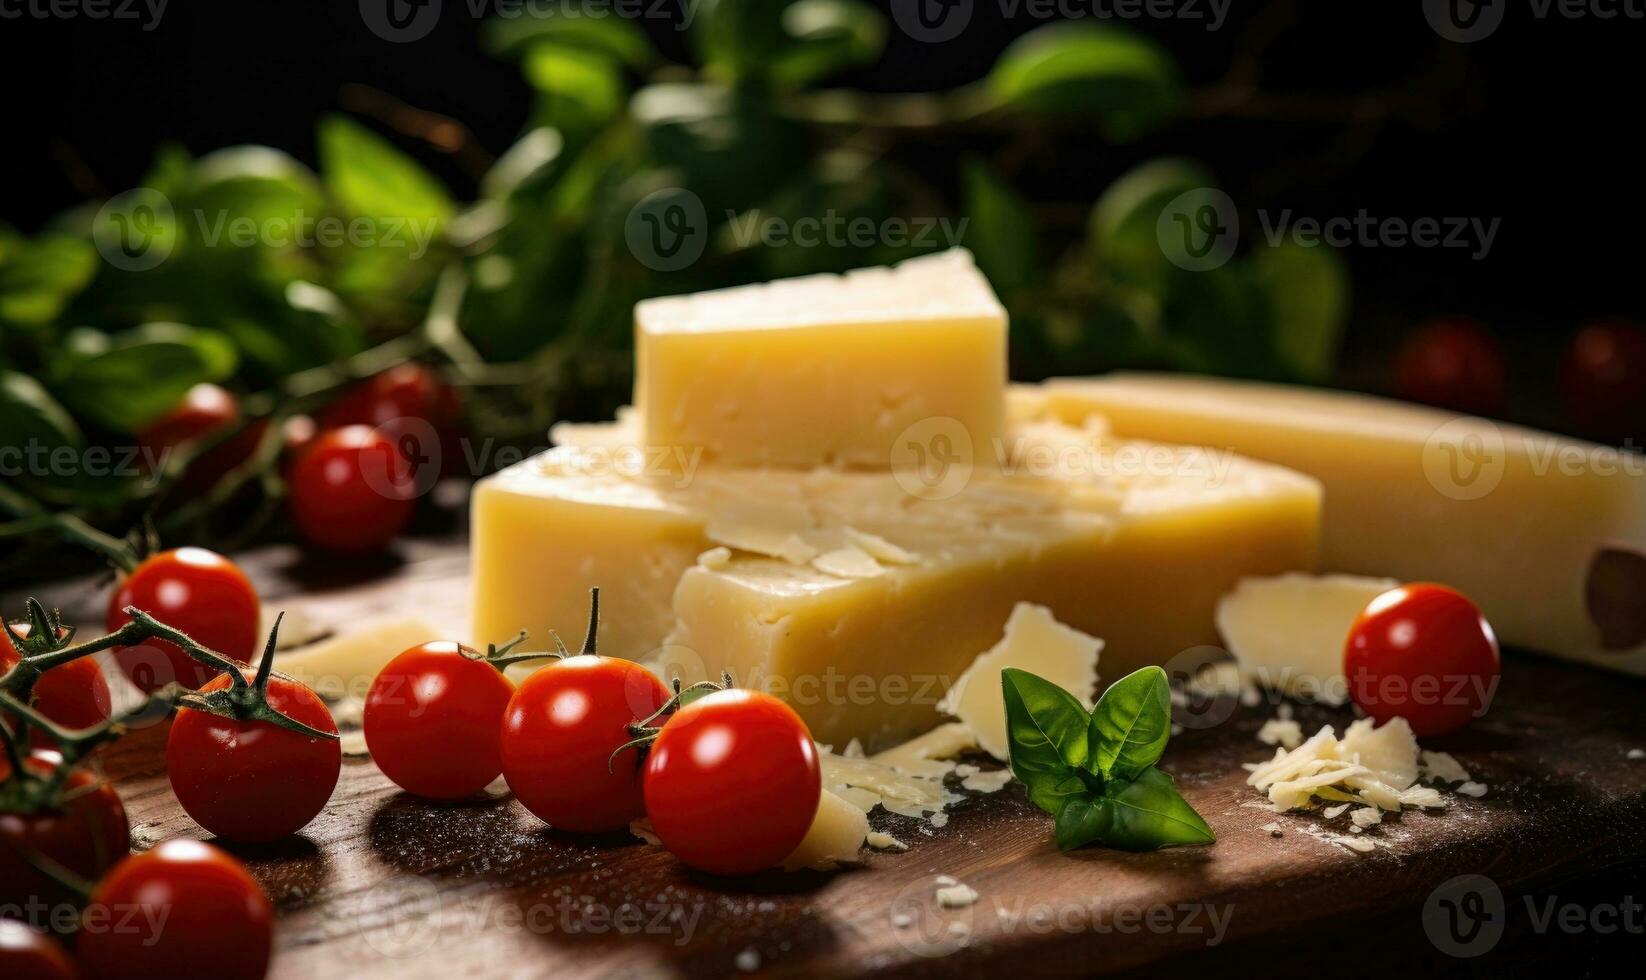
{"x":824,"y":369}
{"x":1546,"y":534}
{"x":860,"y":601}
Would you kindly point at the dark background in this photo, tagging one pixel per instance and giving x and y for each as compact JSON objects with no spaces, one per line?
{"x":1363,"y":106}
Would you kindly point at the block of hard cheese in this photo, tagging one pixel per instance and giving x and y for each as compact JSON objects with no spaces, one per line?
{"x":824,"y":369}
{"x":1546,"y":534}
{"x":861,"y":603}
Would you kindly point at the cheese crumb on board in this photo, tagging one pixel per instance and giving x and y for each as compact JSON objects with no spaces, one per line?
{"x":346,"y":665}
{"x":836,"y":835}
{"x":987,"y":782}
{"x":1366,"y":816}
{"x":1476,"y":790}
{"x":1034,"y":641}
{"x":1288,"y":632}
{"x":1273,"y":829}
{"x":882,"y":841}
{"x":642,"y":828}
{"x":1441,"y":767}
{"x":1370,"y":765}
{"x":1637,"y":754}
{"x":1333,"y":812}
{"x":955,"y":895}
{"x":1282,"y":732}
{"x":748,"y":961}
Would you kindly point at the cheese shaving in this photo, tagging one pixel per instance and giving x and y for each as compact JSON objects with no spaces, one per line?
{"x":1283,"y":732}
{"x":848,"y":562}
{"x":1370,"y":765}
{"x":1440,"y":767}
{"x":880,"y":548}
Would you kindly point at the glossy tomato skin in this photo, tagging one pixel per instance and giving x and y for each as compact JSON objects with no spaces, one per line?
{"x":351,"y":491}
{"x":409,"y":405}
{"x":205,"y":411}
{"x":197,"y":591}
{"x":732,"y":782}
{"x":87,"y":835}
{"x":74,"y":695}
{"x":254,"y":781}
{"x":1603,"y":378}
{"x":183,"y":909}
{"x":1453,"y":362}
{"x":433,"y":718}
{"x":559,"y":733}
{"x":1425,"y":653}
{"x":27,"y":954}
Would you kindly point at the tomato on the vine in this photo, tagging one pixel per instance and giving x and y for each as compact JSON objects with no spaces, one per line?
{"x":1603,"y":378}
{"x":205,"y":412}
{"x":1453,"y":362}
{"x":200,"y":593}
{"x":560,"y":732}
{"x":732,"y":782}
{"x":1422,"y":652}
{"x":84,"y":830}
{"x":405,"y":391}
{"x":432,"y":720}
{"x":183,"y":909}
{"x":28,"y":954}
{"x":74,"y":695}
{"x":253,"y":780}
{"x":351,"y":490}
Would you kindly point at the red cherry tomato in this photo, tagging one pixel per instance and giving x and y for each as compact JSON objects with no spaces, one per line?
{"x":27,"y":954}
{"x":254,"y":781}
{"x":432,"y":721}
{"x":1455,"y":363}
{"x":732,"y":782}
{"x":204,"y":411}
{"x":409,"y":405}
{"x":1422,"y":652}
{"x":183,"y":909}
{"x":197,"y":591}
{"x":1603,"y":378}
{"x":74,"y":695}
{"x":351,"y":491}
{"x":560,"y":731}
{"x":86,"y":834}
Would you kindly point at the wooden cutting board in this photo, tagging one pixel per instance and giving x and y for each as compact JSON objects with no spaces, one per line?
{"x":383,"y":883}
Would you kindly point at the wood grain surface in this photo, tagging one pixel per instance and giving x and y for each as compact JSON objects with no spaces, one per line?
{"x":383,"y":884}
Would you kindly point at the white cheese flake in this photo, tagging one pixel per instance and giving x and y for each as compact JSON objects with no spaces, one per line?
{"x":1442,"y":768}
{"x":1637,"y":754}
{"x":836,"y":835}
{"x":1288,"y":631}
{"x":880,"y":548}
{"x":956,"y":896}
{"x":1280,"y":731}
{"x":882,"y":841}
{"x":848,"y":562}
{"x":1366,"y":816}
{"x":987,"y":782}
{"x":1333,"y":812}
{"x":1476,"y":790}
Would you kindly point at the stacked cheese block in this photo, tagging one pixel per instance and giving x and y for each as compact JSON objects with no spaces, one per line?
{"x":826,"y":490}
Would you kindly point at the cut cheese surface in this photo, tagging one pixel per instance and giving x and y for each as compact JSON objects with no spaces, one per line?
{"x":1288,"y":632}
{"x":836,"y":835}
{"x":867,"y":641}
{"x":1036,"y":642}
{"x":346,"y":665}
{"x":1545,"y":533}
{"x":824,"y":369}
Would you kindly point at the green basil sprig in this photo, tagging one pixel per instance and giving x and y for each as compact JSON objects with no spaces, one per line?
{"x":1096,"y":772}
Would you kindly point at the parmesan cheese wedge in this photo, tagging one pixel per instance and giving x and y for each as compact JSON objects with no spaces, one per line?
{"x":1288,"y":632}
{"x":1036,"y":642}
{"x":836,"y":835}
{"x":346,"y":665}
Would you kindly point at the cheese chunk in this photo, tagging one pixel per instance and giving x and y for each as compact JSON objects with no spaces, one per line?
{"x":346,"y":665}
{"x":826,"y":369}
{"x":1546,"y":534}
{"x":836,"y":835}
{"x":1288,"y":632}
{"x":1139,"y":557}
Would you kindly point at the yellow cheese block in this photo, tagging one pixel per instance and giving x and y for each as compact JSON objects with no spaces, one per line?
{"x":824,"y":369}
{"x":1545,"y":533}
{"x":861,"y":602}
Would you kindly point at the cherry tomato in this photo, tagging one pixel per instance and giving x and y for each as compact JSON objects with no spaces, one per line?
{"x":351,"y":491}
{"x":1455,"y":363}
{"x":28,"y":954}
{"x":1422,"y":652}
{"x":560,"y":731}
{"x":409,"y":405}
{"x":86,"y":834}
{"x":183,"y":909}
{"x":432,"y":720}
{"x":254,"y":781}
{"x":732,"y":782}
{"x":205,"y":411}
{"x":197,"y":591}
{"x":74,"y":695}
{"x":1603,"y":378}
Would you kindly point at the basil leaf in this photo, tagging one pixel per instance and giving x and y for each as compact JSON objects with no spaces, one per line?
{"x":151,"y":368}
{"x":1082,"y":819}
{"x":1131,"y":723}
{"x":1123,"y":78}
{"x":371,"y":178}
{"x":1046,"y":735}
{"x":1308,"y":289}
{"x":42,"y":277}
{"x":1002,"y":231}
{"x":30,"y":416}
{"x":1148,"y":813}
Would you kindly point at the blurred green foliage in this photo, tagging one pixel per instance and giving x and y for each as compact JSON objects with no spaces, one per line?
{"x":273,"y":270}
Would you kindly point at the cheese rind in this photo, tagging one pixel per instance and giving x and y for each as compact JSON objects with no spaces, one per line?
{"x":824,"y":369}
{"x":1515,"y":519}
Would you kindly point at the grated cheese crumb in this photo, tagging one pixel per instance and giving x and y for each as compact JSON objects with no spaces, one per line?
{"x":1281,"y":731}
{"x":883,"y":841}
{"x":956,"y":896}
{"x":1476,"y":790}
